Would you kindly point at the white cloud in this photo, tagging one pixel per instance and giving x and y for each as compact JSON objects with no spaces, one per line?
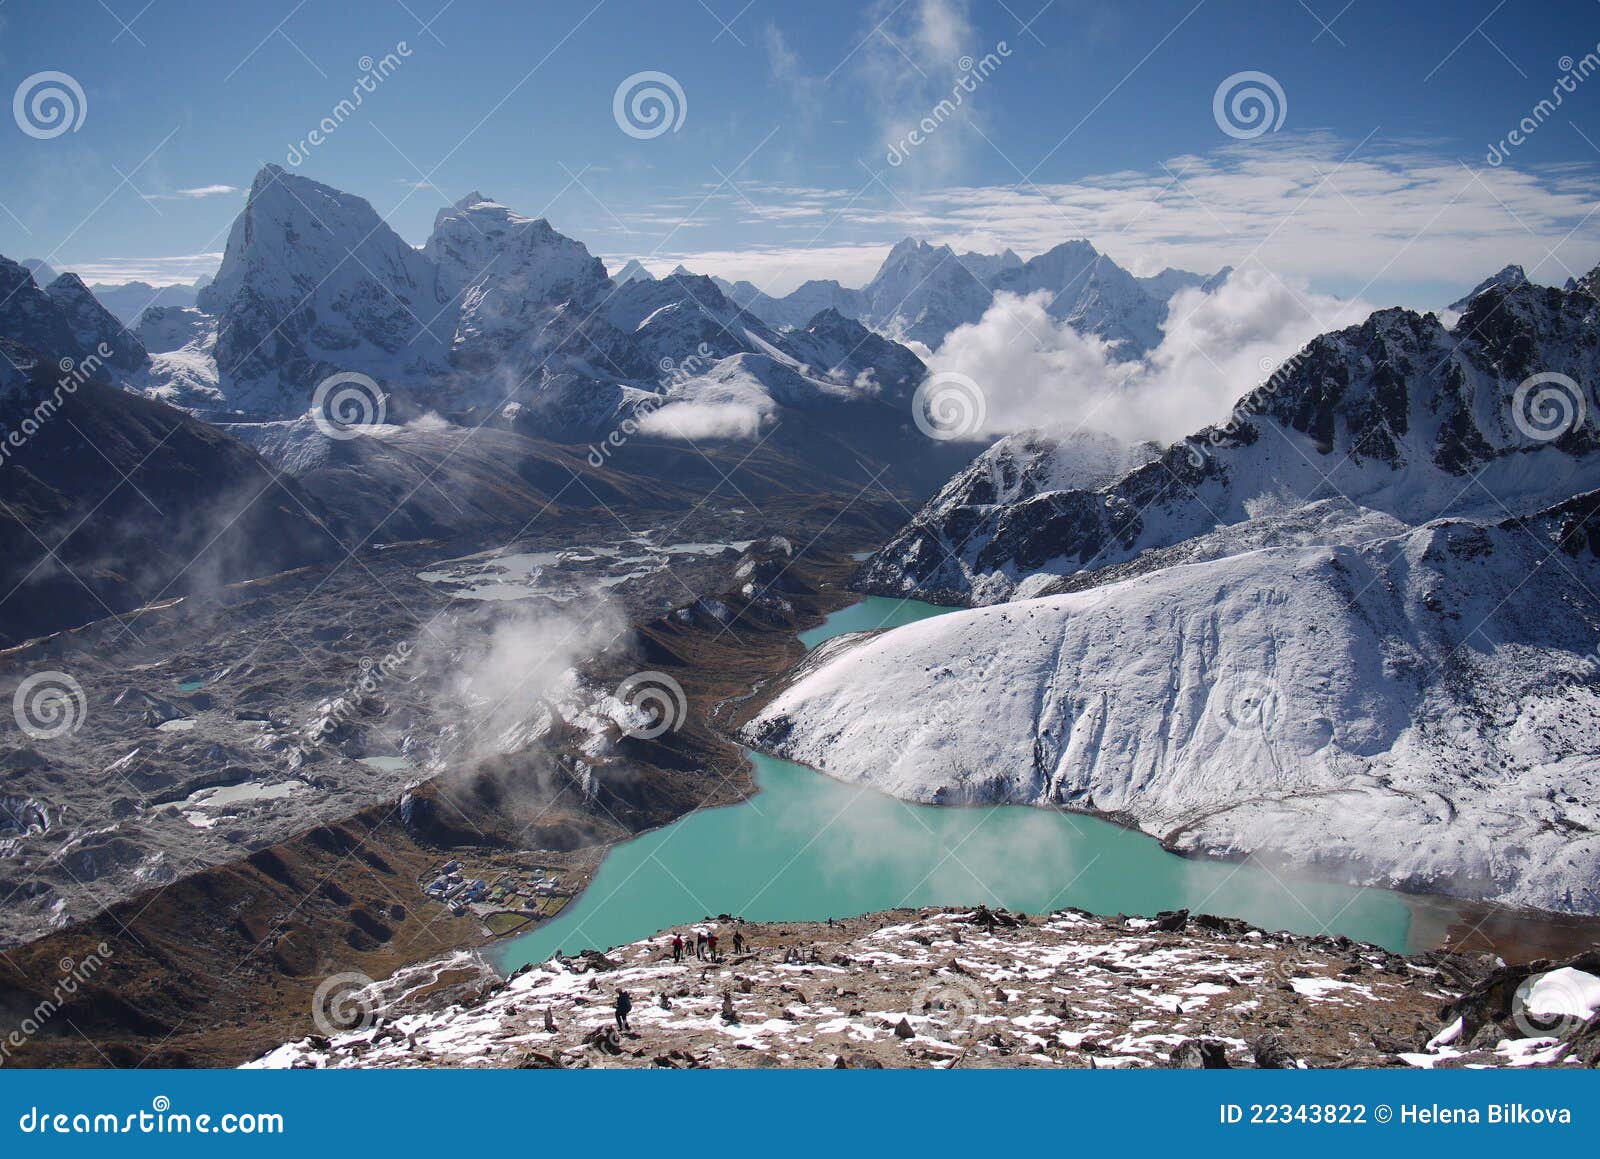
{"x":1377,"y":221}
{"x":702,"y":420}
{"x":1307,"y":207}
{"x":777,"y":270}
{"x":181,"y":269}
{"x":192,"y":194}
{"x":1034,"y":372}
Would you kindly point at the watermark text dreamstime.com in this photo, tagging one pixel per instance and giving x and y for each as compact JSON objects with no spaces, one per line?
{"x":73,"y":975}
{"x":159,"y":1119}
{"x":1199,"y":446}
{"x":672,"y":374}
{"x":972,"y":74}
{"x":1573,"y":74}
{"x":373,"y":74}
{"x":370,"y":677}
{"x":73,"y":375}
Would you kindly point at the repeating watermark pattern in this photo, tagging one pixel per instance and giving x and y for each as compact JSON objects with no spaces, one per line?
{"x":1248,"y":704}
{"x":344,"y":1003}
{"x":345,"y":405}
{"x":955,"y":1002}
{"x":656,"y":704}
{"x":1249,"y":104}
{"x":49,"y":705}
{"x":1553,"y":1005}
{"x":73,"y":975}
{"x":673,"y":373}
{"x":373,"y":74}
{"x":73,"y":375}
{"x":1547,"y":406}
{"x":370,"y":677}
{"x":1199,"y":447}
{"x":648,"y":104}
{"x":948,"y":405}
{"x":48,"y":104}
{"x":1573,"y":74}
{"x":972,"y":74}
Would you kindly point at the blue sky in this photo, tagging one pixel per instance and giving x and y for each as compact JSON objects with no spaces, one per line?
{"x":1097,"y":120}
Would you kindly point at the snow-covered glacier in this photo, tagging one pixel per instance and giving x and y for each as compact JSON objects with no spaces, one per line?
{"x":1416,"y":710}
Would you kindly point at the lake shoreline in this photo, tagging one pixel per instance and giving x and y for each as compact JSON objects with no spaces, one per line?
{"x":1434,"y":920}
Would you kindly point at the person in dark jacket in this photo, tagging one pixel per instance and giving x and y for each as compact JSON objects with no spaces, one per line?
{"x":624,"y":1005}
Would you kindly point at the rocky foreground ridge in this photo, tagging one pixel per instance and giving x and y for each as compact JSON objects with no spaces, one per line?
{"x":975,"y":988}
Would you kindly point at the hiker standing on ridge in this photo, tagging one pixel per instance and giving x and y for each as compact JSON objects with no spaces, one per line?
{"x":699,"y":943}
{"x":677,"y":947}
{"x":738,"y":942}
{"x":624,"y":1005}
{"x":711,"y":945}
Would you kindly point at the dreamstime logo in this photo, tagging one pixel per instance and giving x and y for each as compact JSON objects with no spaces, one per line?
{"x":1547,"y":406}
{"x":73,"y":975}
{"x":673,"y":374}
{"x":1553,"y":1004}
{"x":1248,"y":704}
{"x":658,"y":699}
{"x":48,"y":705}
{"x":1248,"y":104}
{"x":373,"y":74}
{"x":48,"y":104}
{"x":345,"y":404}
{"x":973,"y":73}
{"x":344,"y":1003}
{"x":73,"y":375}
{"x":1573,"y":74}
{"x":648,"y":104}
{"x":956,"y":1003}
{"x":1198,"y":447}
{"x":948,"y":405}
{"x":370,"y":677}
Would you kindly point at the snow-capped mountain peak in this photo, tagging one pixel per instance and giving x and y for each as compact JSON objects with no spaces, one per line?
{"x":312,"y":282}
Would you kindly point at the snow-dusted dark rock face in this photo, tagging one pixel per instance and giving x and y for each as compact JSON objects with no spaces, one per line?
{"x":504,"y":274}
{"x":93,"y":326}
{"x":30,"y":317}
{"x":1397,"y":416}
{"x":1016,"y":471}
{"x":1507,"y":279}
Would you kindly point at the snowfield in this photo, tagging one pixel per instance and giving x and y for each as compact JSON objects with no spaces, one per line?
{"x":1416,"y":711}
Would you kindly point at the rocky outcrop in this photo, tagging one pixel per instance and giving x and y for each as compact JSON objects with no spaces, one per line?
{"x":940,"y":988}
{"x":1397,"y":415}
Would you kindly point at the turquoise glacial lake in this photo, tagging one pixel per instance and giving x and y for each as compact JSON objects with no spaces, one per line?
{"x":806,"y":848}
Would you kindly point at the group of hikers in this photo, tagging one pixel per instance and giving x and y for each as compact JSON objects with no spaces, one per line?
{"x":706,"y":941}
{"x":706,"y":944}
